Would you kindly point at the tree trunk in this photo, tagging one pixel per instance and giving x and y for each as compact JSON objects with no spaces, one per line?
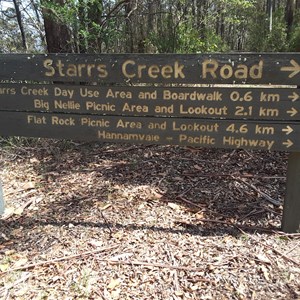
{"x":20,"y":23}
{"x":289,"y":15}
{"x":152,"y":24}
{"x":81,"y":41}
{"x":94,"y":16}
{"x":37,"y":15}
{"x":270,"y":13}
{"x":129,"y":47}
{"x":58,"y":35}
{"x":202,"y":11}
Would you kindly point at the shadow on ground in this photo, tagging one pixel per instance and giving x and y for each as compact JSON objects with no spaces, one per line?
{"x":150,"y":188}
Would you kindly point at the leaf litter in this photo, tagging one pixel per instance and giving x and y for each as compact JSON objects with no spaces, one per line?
{"x":103,"y":221}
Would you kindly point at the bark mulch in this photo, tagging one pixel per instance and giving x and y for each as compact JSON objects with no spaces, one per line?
{"x":109,"y":221}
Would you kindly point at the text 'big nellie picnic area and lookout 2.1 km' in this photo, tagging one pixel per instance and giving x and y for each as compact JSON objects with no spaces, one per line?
{"x":248,"y":101}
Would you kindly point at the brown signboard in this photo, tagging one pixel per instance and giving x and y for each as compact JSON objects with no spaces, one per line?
{"x":199,"y":100}
{"x":183,"y":102}
{"x":232,"y":134}
{"x":266,"y":68}
{"x":93,"y":97}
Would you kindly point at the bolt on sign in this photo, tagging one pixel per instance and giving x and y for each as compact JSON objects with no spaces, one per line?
{"x":248,"y":101}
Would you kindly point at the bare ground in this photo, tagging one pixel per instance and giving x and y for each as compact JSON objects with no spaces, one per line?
{"x":102,"y":221}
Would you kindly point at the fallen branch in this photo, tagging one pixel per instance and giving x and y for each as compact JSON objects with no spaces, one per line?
{"x":53,"y":261}
{"x":224,"y":216}
{"x":267,"y":197}
{"x":289,"y":235}
{"x":120,"y":150}
{"x":199,"y":206}
{"x":230,"y":175}
{"x":157,"y":265}
{"x":282,"y":255}
{"x":273,"y":249}
{"x":237,"y":226}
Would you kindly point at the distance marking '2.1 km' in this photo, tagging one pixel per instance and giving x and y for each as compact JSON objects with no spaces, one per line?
{"x":184,"y":102}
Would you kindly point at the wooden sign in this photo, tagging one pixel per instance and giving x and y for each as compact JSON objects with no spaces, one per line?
{"x":235,"y":101}
{"x":183,"y":102}
{"x":174,"y":131}
{"x":227,"y":116}
{"x":267,"y":68}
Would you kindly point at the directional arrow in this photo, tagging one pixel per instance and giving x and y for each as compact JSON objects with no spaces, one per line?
{"x":288,"y":130}
{"x":292,"y":112}
{"x":294,"y":97}
{"x":294,"y":68}
{"x":288,"y":143}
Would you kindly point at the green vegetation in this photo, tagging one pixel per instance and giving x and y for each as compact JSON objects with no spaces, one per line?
{"x":149,"y":26}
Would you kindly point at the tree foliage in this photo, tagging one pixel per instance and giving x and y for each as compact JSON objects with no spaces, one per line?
{"x":153,"y":26}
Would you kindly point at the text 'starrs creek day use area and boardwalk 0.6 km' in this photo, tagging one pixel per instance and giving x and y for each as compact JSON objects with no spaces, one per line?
{"x":247,"y":101}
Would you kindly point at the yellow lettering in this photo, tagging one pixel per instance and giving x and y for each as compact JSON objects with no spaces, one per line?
{"x":140,"y":69}
{"x":48,"y":65}
{"x":166,"y":71}
{"x":241,"y":72}
{"x":226,"y":71}
{"x":102,"y":71}
{"x":72,"y":70}
{"x":256,"y":70}
{"x":80,"y":67}
{"x":90,"y":67}
{"x":60,"y":66}
{"x":125,"y":71}
{"x":209,"y":66}
{"x":153,"y":71}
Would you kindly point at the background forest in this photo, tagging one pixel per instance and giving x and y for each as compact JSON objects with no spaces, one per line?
{"x":149,"y":26}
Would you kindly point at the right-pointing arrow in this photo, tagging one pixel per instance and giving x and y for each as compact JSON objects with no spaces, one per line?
{"x":288,"y":130}
{"x":288,"y":143}
{"x":292,"y":112}
{"x":294,"y":97}
{"x":294,"y":68}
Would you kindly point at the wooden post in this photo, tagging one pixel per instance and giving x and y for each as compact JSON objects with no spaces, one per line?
{"x":1,"y":200}
{"x":291,"y":209}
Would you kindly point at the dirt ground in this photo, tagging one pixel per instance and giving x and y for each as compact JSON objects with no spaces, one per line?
{"x":103,"y":221}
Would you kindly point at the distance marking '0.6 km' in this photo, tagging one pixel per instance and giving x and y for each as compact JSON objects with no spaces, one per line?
{"x":185,"y":102}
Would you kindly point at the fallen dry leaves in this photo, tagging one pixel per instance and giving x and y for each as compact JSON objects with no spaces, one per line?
{"x":102,"y":221}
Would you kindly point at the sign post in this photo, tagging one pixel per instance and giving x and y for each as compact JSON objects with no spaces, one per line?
{"x":291,"y":209}
{"x":234,"y":101}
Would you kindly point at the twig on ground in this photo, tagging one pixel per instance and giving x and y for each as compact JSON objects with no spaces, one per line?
{"x":253,"y":228}
{"x":282,"y":255}
{"x":267,"y":197}
{"x":52,"y":261}
{"x":229,"y":157}
{"x":198,"y":206}
{"x":157,"y":265}
{"x":273,"y":249}
{"x":176,"y":281}
{"x":292,"y":249}
{"x":289,"y":235}
{"x":120,"y":150}
{"x":106,"y":223}
{"x":231,"y":175}
{"x":252,"y":213}
{"x":224,"y":216}
{"x":7,"y":288}
{"x":125,"y":149}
